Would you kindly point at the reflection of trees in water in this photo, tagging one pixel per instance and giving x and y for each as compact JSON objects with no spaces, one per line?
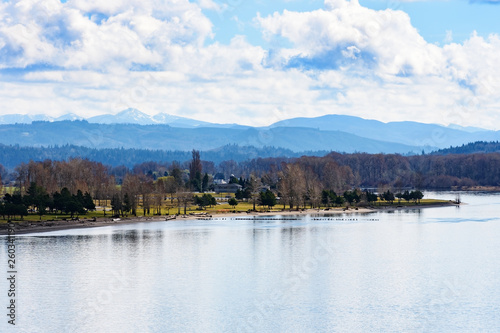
{"x":135,"y":236}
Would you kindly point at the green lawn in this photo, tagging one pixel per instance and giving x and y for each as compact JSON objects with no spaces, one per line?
{"x":242,"y":207}
{"x":411,"y":203}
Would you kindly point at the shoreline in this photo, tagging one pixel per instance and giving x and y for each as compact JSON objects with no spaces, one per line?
{"x":31,"y":227}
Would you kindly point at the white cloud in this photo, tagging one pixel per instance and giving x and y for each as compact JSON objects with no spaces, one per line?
{"x":474,"y":63}
{"x":96,"y":34}
{"x":212,"y":5}
{"x":158,"y":56}
{"x":379,"y":48}
{"x":385,"y":39}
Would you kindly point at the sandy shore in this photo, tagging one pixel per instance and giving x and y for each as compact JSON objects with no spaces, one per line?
{"x":28,"y":227}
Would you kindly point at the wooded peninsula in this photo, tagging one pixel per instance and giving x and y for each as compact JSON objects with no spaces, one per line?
{"x":67,"y":189}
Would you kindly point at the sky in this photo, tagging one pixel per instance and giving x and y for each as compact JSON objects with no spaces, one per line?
{"x":254,"y":62}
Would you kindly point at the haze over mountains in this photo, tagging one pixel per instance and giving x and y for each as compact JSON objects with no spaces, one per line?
{"x":165,"y":137}
{"x":134,"y":129}
{"x":129,"y":116}
{"x":406,"y":132}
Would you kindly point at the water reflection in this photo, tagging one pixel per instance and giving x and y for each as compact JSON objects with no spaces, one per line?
{"x":401,"y":271}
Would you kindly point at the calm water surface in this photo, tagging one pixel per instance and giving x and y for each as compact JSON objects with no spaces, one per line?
{"x":429,"y":270}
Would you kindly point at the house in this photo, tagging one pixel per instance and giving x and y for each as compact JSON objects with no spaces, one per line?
{"x":227,"y":188}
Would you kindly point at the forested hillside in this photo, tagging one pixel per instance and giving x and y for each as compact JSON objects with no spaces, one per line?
{"x":471,"y":148}
{"x":13,"y":155}
{"x":165,"y":137}
{"x":334,"y":171}
{"x":71,"y":186}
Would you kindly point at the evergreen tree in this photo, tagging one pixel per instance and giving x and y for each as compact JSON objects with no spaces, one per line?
{"x":239,"y":194}
{"x":37,"y":197}
{"x":204,"y":183}
{"x":127,"y":203}
{"x":388,"y":196}
{"x":88,"y":202}
{"x":233,"y":202}
{"x":267,"y":198}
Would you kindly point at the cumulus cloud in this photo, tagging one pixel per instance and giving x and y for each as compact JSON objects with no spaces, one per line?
{"x":382,"y":48}
{"x":384,"y":40}
{"x":473,"y":63}
{"x":212,"y":5}
{"x":99,"y":34}
{"x":94,"y":57}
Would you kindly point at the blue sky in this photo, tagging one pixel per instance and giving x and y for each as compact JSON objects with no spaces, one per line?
{"x":433,"y":19}
{"x":253,"y":62}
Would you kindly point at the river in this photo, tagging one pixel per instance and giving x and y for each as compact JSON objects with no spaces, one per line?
{"x":427,"y":270}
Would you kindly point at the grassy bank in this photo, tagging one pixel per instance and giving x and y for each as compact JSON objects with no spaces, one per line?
{"x":221,"y":208}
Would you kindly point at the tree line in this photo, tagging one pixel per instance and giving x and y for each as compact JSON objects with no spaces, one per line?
{"x":13,"y":155}
{"x":38,"y":200}
{"x":471,"y":148}
{"x":362,"y":170}
{"x":159,"y":187}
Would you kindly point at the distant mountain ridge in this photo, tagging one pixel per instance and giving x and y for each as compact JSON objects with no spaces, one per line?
{"x":406,"y":132}
{"x":165,"y":137}
{"x":132,"y":128}
{"x":471,"y":148}
{"x":128,"y":116}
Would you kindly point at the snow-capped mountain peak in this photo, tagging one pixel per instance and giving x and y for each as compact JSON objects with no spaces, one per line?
{"x":128,"y":116}
{"x":68,"y":116}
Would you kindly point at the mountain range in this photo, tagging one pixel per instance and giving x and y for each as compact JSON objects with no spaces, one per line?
{"x":405,"y":132}
{"x":165,"y":137}
{"x":133,"y":129}
{"x":128,"y":116}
